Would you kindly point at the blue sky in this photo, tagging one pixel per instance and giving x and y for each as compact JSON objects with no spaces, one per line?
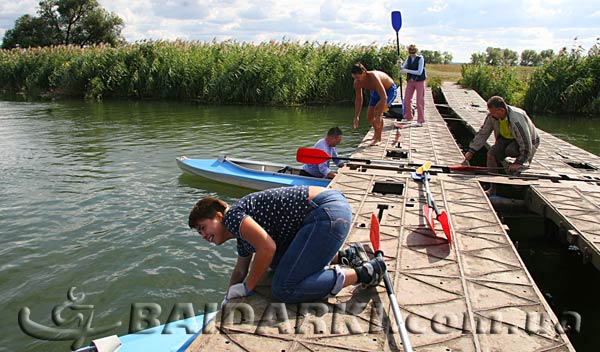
{"x":459,"y":27}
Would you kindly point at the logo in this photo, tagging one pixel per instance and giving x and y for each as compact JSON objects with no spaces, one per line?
{"x":73,"y":322}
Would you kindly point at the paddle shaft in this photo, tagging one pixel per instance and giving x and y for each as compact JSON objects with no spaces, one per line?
{"x":399,"y":321}
{"x":399,"y":58}
{"x":318,"y":156}
{"x":480,"y":170}
{"x":430,"y":200}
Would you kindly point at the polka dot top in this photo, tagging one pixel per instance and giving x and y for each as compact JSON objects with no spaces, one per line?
{"x":279,"y":211}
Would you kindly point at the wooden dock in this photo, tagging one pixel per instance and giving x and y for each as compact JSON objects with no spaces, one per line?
{"x":573,"y":206}
{"x":474,"y":296}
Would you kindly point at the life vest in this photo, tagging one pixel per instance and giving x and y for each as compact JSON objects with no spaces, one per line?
{"x":414,"y":65}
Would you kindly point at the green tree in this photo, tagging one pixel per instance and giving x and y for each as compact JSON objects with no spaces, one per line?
{"x":28,"y":32}
{"x":432,"y":57}
{"x":436,"y":57}
{"x":494,"y":56}
{"x":78,"y":22}
{"x":478,"y":59}
{"x":447,"y":58}
{"x":546,"y":55}
{"x":530,"y":58}
{"x":509,"y":57}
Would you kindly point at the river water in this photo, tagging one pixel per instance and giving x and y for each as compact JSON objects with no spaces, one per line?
{"x":91,"y":197}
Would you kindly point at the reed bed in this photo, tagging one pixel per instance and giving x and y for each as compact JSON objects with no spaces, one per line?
{"x":567,"y":84}
{"x":279,"y":73}
{"x":488,"y":81}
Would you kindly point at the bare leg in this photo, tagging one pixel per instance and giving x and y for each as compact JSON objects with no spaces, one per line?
{"x":378,"y":123}
{"x":350,"y":278}
{"x":371,"y":118}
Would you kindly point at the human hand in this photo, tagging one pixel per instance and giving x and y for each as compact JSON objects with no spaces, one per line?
{"x":356,"y":122}
{"x":468,"y":156}
{"x":238,"y":290}
{"x":514,"y":167}
{"x":403,"y":71}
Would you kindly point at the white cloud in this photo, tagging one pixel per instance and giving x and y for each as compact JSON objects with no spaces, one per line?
{"x":329,"y":10}
{"x":11,"y":10}
{"x":547,"y":9}
{"x":180,"y":9}
{"x":595,"y":14}
{"x":255,"y":13}
{"x":438,"y":6}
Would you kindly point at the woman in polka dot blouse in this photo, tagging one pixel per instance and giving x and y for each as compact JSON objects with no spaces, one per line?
{"x":297,"y":232}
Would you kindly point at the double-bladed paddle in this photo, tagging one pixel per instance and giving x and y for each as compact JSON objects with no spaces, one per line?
{"x":374,"y":236}
{"x":318,"y":156}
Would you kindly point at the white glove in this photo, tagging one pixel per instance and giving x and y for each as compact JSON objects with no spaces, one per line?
{"x":400,"y":62}
{"x":403,"y":70}
{"x":238,"y":290}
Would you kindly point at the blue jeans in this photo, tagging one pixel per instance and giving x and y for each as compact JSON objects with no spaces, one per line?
{"x":300,"y":275}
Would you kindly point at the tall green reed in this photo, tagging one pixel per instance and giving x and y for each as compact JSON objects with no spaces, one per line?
{"x":286,"y":72}
{"x":494,"y":80}
{"x":568,"y":83}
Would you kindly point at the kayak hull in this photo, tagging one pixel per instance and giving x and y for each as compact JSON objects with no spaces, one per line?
{"x":252,"y":174}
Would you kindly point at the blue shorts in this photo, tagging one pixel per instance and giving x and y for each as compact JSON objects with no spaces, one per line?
{"x":392,"y":94}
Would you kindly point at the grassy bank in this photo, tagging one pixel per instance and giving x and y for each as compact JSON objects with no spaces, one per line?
{"x":443,"y":73}
{"x":215,"y":72}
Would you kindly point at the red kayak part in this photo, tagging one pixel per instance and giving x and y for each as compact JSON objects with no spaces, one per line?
{"x":428,"y":214}
{"x":374,"y":234}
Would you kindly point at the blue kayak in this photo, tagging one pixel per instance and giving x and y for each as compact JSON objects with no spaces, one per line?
{"x":155,"y":340}
{"x":158,"y":339}
{"x":248,"y":173}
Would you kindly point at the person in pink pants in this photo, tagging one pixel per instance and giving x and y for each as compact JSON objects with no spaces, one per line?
{"x":414,"y":67}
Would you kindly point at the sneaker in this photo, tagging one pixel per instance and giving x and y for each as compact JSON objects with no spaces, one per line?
{"x":372,"y":272}
{"x":353,"y":256}
{"x":418,"y":124}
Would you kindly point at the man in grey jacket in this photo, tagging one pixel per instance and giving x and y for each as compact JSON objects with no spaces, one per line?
{"x":515,"y":133}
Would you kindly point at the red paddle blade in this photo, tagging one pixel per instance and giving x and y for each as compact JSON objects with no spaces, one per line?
{"x":468,"y":168}
{"x":374,"y":235}
{"x":443,"y":219}
{"x":428,"y":213}
{"x":312,"y":156}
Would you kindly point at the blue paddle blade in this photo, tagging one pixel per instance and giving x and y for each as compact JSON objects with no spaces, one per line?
{"x":396,"y":20}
